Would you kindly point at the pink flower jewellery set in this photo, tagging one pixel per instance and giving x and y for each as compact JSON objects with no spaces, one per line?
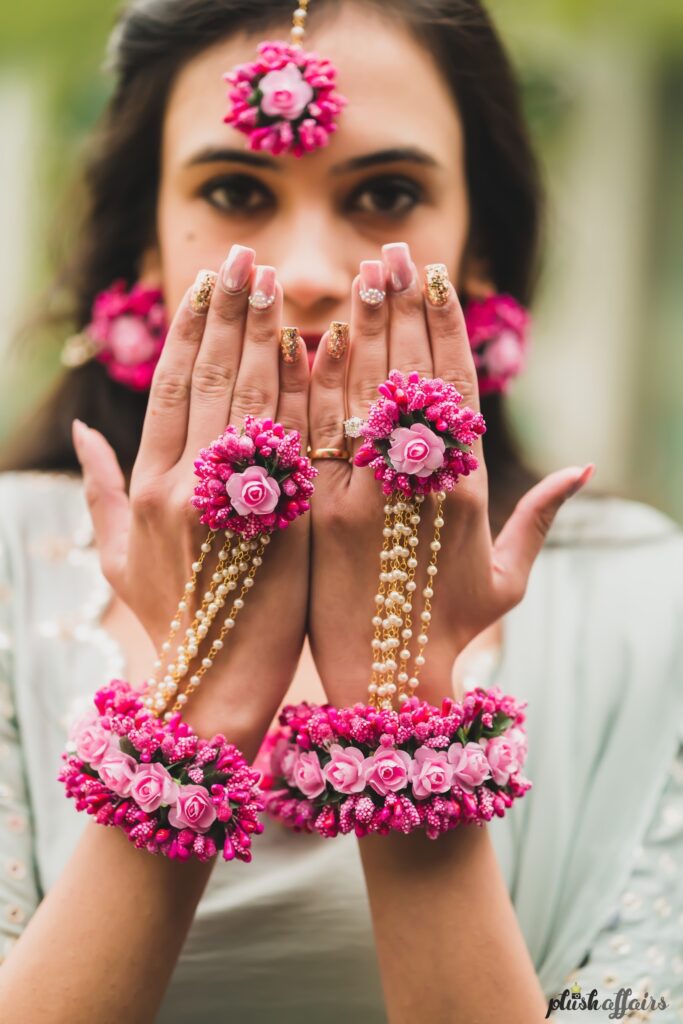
{"x":394,"y":763}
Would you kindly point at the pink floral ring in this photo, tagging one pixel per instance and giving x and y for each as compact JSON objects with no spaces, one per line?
{"x":366,"y":770}
{"x":170,"y":791}
{"x":255,"y":480}
{"x":285,"y":100}
{"x":418,"y":436}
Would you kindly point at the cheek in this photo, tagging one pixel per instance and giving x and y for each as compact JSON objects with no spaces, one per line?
{"x":439,"y":233}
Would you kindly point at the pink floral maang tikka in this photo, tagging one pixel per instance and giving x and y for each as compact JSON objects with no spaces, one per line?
{"x":285,"y":100}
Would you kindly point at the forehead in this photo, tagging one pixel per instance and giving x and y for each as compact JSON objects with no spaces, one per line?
{"x":396,"y":93}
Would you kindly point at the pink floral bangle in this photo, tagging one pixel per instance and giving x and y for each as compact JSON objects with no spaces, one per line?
{"x":373,"y":770}
{"x":132,"y":762}
{"x":170,"y":791}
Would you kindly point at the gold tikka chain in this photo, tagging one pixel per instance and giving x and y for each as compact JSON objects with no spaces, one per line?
{"x":299,"y":23}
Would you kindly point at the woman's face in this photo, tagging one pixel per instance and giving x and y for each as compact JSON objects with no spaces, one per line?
{"x":393,"y":172}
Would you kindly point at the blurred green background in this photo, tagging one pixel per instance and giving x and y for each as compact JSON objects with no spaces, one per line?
{"x":603,"y":86}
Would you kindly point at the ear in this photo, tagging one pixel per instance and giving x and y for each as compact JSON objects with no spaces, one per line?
{"x":476,"y":279}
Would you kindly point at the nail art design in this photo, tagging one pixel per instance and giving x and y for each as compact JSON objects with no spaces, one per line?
{"x":371,"y":289}
{"x":436,"y":282}
{"x":289,"y":344}
{"x":263,"y":294}
{"x":237,"y":268}
{"x":202,"y":290}
{"x":338,"y":339}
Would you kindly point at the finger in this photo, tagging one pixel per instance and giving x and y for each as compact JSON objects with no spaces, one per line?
{"x":292,"y":408}
{"x":164,"y":431}
{"x":105,"y":493}
{"x":368,"y":355}
{"x":524,"y":534}
{"x":451,"y":351}
{"x":326,"y":400}
{"x":408,"y":335}
{"x":217,"y":363}
{"x":257,"y":385}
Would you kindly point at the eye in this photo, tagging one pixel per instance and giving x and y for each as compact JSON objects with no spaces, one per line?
{"x":386,"y":196}
{"x":237,"y":193}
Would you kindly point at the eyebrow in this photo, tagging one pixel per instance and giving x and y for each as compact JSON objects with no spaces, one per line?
{"x":402,"y":154}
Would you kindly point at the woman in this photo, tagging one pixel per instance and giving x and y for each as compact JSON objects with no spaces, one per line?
{"x":172,"y":190}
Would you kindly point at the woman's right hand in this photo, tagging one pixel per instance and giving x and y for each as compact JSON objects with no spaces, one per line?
{"x":217,"y":365}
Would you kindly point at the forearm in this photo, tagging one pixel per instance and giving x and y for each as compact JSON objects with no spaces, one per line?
{"x":449,"y":946}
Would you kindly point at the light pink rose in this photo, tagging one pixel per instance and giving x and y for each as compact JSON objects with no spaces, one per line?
{"x":344,"y":770}
{"x":518,"y":738}
{"x":504,"y":355}
{"x":387,"y":770}
{"x":192,"y":809}
{"x":117,"y":770}
{"x":153,"y":786}
{"x":93,"y":742}
{"x":470,"y":765}
{"x":430,"y":772}
{"x":130,"y":341}
{"x":285,"y":93}
{"x":502,"y":757}
{"x":253,"y":491}
{"x":307,"y":775}
{"x":416,"y":450}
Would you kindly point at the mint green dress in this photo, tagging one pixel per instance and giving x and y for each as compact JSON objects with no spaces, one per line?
{"x":592,"y":856}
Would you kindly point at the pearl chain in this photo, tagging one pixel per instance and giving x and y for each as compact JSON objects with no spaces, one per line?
{"x":394,"y":601}
{"x":238,"y":561}
{"x":299,"y":23}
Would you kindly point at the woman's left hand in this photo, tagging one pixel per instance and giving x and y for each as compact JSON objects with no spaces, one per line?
{"x":478,"y":580}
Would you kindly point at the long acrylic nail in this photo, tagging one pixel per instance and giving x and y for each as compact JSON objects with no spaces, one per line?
{"x":202,"y":290}
{"x":397,"y":258}
{"x":289,"y":344}
{"x":338,"y":339}
{"x":372,"y":288}
{"x":263,"y":290}
{"x":237,"y":267}
{"x":436,"y":284}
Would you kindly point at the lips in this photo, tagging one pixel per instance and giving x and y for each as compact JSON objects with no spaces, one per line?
{"x":311,"y":340}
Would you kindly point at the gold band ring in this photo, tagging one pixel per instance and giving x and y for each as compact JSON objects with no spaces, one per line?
{"x":329,"y":453}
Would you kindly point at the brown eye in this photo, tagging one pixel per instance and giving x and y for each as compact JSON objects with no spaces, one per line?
{"x":386,"y":197}
{"x":237,"y":193}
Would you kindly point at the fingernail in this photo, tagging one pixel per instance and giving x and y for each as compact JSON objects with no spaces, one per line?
{"x":582,"y":479}
{"x":372,"y":282}
{"x":263,"y":290}
{"x":289,"y":344}
{"x":397,"y":258}
{"x":338,"y":339}
{"x":237,"y":267}
{"x":202,"y":290}
{"x":436,"y":283}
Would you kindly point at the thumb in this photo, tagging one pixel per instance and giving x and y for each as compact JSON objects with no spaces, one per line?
{"x":524,"y":534}
{"x":105,"y":492}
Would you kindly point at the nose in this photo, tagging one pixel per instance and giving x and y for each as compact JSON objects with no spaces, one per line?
{"x":314,"y":269}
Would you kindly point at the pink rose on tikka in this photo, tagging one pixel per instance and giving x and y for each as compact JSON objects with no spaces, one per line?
{"x":503,"y":759}
{"x":307,"y":775}
{"x":285,"y":93}
{"x":416,"y":450}
{"x":253,"y":491}
{"x":192,"y":809}
{"x":92,"y":741}
{"x":430,"y":772}
{"x":470,"y":765}
{"x":344,"y":771}
{"x":387,"y":770}
{"x":153,"y":786}
{"x":117,"y":771}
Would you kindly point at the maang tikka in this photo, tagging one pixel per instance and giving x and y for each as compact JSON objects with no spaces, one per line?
{"x":285,"y":100}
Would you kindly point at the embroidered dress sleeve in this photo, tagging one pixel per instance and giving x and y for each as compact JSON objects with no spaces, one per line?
{"x":19,"y":890}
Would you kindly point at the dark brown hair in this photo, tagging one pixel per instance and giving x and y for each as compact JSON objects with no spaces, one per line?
{"x":151,"y":43}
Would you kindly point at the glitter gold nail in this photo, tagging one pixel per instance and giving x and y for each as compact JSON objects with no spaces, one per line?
{"x":436,"y":281}
{"x":338,"y":339}
{"x":289,"y":344}
{"x":202,"y":290}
